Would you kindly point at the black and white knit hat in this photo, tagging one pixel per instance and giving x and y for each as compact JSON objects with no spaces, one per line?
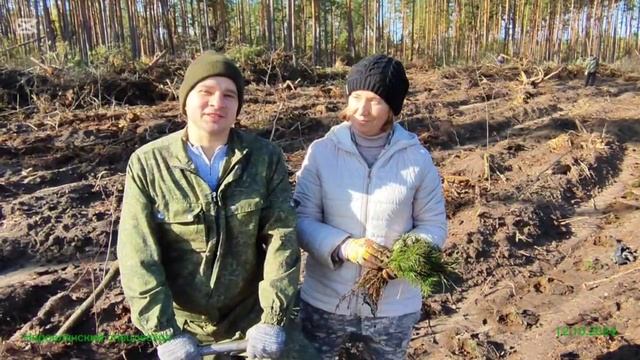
{"x":382,"y":75}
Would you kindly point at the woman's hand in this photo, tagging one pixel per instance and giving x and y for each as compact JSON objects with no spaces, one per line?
{"x":388,"y":274}
{"x":365,"y":252}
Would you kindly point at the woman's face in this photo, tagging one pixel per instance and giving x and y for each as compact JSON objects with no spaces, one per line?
{"x":368,"y":112}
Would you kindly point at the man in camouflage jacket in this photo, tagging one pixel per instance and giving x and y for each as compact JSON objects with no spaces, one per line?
{"x":591,"y":69}
{"x":206,"y":246}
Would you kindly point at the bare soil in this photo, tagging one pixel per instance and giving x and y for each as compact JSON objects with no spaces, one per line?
{"x":537,"y":195}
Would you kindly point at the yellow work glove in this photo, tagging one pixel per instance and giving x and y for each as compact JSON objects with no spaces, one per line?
{"x":365,"y":252}
{"x":389,"y":275}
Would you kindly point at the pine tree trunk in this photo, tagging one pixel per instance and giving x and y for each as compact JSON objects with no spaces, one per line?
{"x":271,"y":25}
{"x":559,"y":33}
{"x":289,"y":27}
{"x":292,"y":29}
{"x":628,"y":46}
{"x":381,"y":32}
{"x":350,"y":41}
{"x":51,"y":34}
{"x":222,"y":13}
{"x":638,"y":29}
{"x":375,"y":26}
{"x":86,"y":25}
{"x":365,"y":22}
{"x":507,"y":28}
{"x":325,"y":23}
{"x":284,"y":38}
{"x":63,"y":23}
{"x":74,"y":32}
{"x":133,"y":33}
{"x":100,"y":24}
{"x":205,"y":11}
{"x":304,"y":26}
{"x":413,"y":21}
{"x":166,"y":14}
{"x":573,"y":32}
{"x":314,"y":26}
{"x":38,"y":33}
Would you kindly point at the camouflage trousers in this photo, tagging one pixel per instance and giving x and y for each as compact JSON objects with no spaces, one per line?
{"x":384,"y":338}
{"x":590,"y":80}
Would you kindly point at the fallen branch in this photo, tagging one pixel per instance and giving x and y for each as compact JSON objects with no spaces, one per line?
{"x":266,"y":80}
{"x":591,"y":284}
{"x":21,"y":44}
{"x":553,"y":73}
{"x":529,"y":84}
{"x":155,"y":60}
{"x":44,"y":315}
{"x":289,"y":85}
{"x":273,"y":129}
{"x":79,"y":313}
{"x":48,"y":69}
{"x":57,"y":190}
{"x":9,"y":112}
{"x":172,"y":88}
{"x":484,"y":103}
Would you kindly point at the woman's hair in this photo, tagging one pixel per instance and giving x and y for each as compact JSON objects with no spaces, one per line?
{"x":347,"y":112}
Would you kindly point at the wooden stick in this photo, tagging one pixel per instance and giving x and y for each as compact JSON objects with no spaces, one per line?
{"x":21,"y":44}
{"x":273,"y":129}
{"x":588,"y":285}
{"x":155,"y":59}
{"x":47,"y":69}
{"x":484,"y":103}
{"x":223,"y":348}
{"x":45,"y":313}
{"x":553,"y":73}
{"x":77,"y":315}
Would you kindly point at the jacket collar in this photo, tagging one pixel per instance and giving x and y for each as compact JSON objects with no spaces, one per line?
{"x":401,"y":138}
{"x":237,"y":148}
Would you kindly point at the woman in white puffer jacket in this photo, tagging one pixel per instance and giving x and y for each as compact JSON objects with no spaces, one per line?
{"x":364,"y":184}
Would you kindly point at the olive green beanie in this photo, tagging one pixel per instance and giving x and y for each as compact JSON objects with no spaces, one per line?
{"x":210,"y":63}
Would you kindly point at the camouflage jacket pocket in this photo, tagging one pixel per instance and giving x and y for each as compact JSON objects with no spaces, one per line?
{"x":182,"y":224}
{"x":245,"y":205}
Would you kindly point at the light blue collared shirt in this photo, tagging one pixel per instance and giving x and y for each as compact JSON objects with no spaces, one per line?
{"x":208,"y":170}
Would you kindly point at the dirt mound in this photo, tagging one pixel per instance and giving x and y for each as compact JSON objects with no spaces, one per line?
{"x":20,"y":89}
{"x":75,"y":163}
{"x":16,"y":87}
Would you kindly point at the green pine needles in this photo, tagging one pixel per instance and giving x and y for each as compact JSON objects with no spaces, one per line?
{"x":421,"y":263}
{"x":414,"y":259}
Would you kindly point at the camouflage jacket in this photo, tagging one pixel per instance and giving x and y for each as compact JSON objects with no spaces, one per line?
{"x":187,"y":252}
{"x":592,"y":65}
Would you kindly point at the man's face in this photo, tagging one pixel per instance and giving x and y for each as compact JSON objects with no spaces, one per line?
{"x":211,"y":106}
{"x":369,"y":112}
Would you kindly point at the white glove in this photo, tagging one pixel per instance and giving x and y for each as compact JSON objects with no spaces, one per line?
{"x":181,"y":347}
{"x":265,"y":341}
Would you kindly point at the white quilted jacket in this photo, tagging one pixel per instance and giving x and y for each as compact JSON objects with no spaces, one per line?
{"x":338,"y":196}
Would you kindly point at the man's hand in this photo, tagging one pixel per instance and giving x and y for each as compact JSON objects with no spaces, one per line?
{"x":181,"y":347}
{"x":265,"y":341}
{"x":365,"y":252}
